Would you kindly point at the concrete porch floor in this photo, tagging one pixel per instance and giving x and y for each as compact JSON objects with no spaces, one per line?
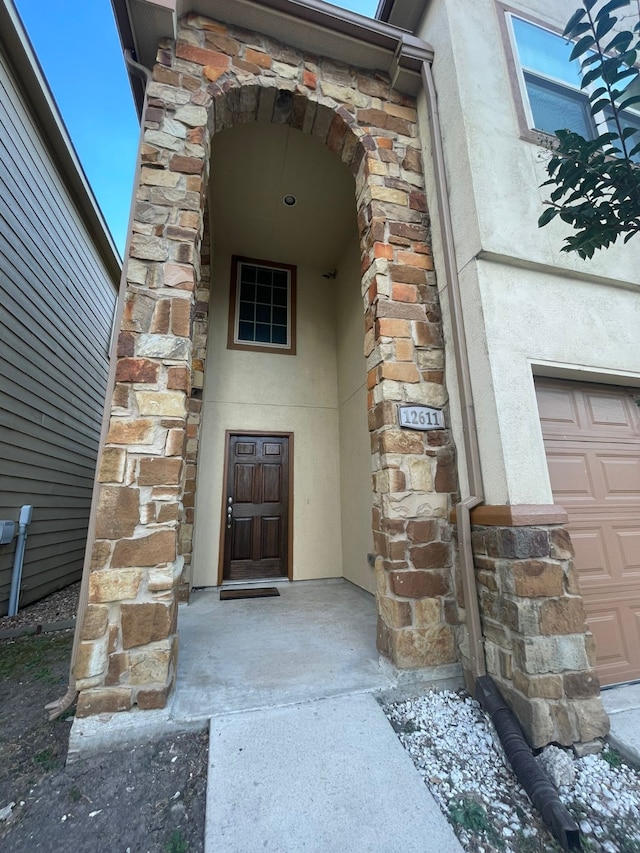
{"x":316,"y":640}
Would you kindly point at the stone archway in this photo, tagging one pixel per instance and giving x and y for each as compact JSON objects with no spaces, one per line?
{"x":212,"y":78}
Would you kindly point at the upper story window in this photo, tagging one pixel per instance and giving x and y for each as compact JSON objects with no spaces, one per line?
{"x":550,"y":84}
{"x":551,"y":81}
{"x":262,"y":306}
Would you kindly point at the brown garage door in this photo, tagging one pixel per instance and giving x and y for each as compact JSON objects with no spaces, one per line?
{"x":592,"y":440}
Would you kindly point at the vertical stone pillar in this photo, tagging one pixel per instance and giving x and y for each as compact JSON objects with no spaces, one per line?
{"x":194,"y":408}
{"x":128,"y":639}
{"x":414,"y":476}
{"x":537,"y":645}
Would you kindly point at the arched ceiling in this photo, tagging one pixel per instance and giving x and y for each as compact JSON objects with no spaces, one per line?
{"x":253,"y":166}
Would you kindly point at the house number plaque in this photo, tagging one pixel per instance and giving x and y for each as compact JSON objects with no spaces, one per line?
{"x":420,"y":417}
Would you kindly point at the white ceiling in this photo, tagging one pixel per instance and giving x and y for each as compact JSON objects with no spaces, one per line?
{"x":253,"y":166}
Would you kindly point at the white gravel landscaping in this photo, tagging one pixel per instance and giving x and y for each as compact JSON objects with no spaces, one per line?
{"x":455,"y":748}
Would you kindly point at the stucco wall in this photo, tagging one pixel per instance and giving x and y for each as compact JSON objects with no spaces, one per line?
{"x":262,"y":392}
{"x":527,"y":306}
{"x":355,"y":450}
{"x":320,"y":396}
{"x":498,"y":169}
{"x":570,"y":328}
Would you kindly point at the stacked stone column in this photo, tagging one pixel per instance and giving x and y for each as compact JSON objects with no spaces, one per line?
{"x":537,"y":646}
{"x":128,"y":645}
{"x":414,"y":476}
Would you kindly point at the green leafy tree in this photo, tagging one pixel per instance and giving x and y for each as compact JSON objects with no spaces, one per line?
{"x":597,"y":181}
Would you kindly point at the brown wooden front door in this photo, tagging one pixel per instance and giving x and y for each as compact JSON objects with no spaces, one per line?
{"x":256,"y":515}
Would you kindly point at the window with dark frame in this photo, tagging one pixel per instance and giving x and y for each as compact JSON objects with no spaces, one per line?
{"x":262,"y":306}
{"x":550,"y":82}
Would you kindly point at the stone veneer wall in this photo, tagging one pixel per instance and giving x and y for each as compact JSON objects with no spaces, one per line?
{"x":194,"y":408}
{"x":212,"y":78}
{"x":538,"y":649}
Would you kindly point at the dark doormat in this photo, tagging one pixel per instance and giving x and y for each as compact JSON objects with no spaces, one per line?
{"x":248,"y":592}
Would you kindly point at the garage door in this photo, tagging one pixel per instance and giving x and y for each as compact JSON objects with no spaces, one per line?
{"x":592,"y":441}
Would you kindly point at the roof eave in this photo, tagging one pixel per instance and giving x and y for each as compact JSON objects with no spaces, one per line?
{"x":142,"y":23}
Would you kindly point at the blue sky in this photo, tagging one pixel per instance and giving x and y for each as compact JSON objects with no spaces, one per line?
{"x":93,"y":94}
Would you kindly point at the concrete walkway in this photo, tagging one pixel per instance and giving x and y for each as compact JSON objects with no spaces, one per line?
{"x":623,"y":706}
{"x":326,"y":776}
{"x":301,"y":756}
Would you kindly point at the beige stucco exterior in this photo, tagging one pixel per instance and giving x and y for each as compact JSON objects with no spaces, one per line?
{"x":577,"y":330}
{"x":528,"y":307}
{"x":248,"y":391}
{"x":319,"y":394}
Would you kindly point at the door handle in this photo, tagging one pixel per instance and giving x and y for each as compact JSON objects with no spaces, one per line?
{"x":229,"y":512}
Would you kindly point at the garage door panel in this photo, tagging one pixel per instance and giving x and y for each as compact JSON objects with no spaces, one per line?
{"x":594,"y":476}
{"x":571,"y":477}
{"x":558,"y":409}
{"x":615,"y":624}
{"x":607,"y":551}
{"x":610,"y":413}
{"x":628,"y":541}
{"x":591,"y":556}
{"x":620,"y":476}
{"x":591,"y":437}
{"x":606,"y":625}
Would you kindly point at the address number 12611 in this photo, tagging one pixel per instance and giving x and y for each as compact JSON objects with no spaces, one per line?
{"x":420,"y":417}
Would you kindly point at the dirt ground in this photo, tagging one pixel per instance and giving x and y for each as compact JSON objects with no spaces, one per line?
{"x":149,"y":798}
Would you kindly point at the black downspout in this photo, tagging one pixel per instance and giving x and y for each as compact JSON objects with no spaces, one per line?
{"x":533,"y":779}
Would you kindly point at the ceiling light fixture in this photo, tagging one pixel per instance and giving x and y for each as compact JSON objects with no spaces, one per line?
{"x":290,"y":200}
